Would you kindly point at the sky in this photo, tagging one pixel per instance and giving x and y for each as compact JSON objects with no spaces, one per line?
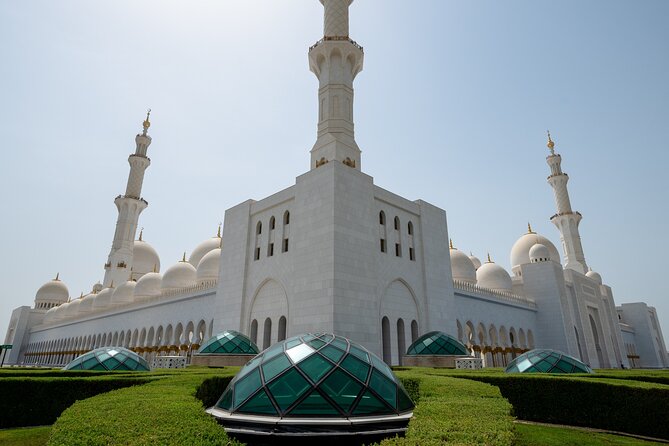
{"x":452,"y":107}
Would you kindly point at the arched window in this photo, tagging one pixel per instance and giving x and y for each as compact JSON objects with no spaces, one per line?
{"x":256,"y":251}
{"x":286,"y":218}
{"x":410,"y":228}
{"x":267,"y":334}
{"x":385,"y":339}
{"x":412,"y":251}
{"x":272,"y":223}
{"x":382,"y":231}
{"x":382,"y":218}
{"x":286,"y":231}
{"x":397,"y":223}
{"x":282,"y":328}
{"x":401,"y":341}
{"x":414,"y":331}
{"x":254,"y":331}
{"x":270,"y":237}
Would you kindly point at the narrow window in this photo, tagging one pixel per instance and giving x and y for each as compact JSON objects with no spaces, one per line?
{"x":410,"y":227}
{"x":397,"y":223}
{"x":270,"y":250}
{"x":259,"y":228}
{"x":412,"y":255}
{"x":286,"y":218}
{"x":398,"y":250}
{"x":257,"y":254}
{"x":382,"y":218}
{"x":383,"y":245}
{"x":285,"y":245}
{"x":272,"y":223}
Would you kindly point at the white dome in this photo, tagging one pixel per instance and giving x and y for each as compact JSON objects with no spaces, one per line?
{"x":49,"y":315}
{"x":86,"y":305}
{"x":207,"y":269}
{"x":148,"y":286}
{"x":475,"y":260}
{"x":103,"y":299}
{"x":202,"y":249}
{"x":145,"y":259}
{"x":61,"y":311}
{"x":97,"y":288}
{"x":462,"y":266}
{"x":53,"y":291}
{"x":594,"y":276}
{"x":520,"y":252}
{"x":72,"y":309}
{"x":491,"y":275}
{"x":539,"y":253}
{"x":181,"y":275}
{"x":123,"y":294}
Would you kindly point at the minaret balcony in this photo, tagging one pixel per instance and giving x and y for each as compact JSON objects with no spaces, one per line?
{"x":337,"y":38}
{"x":132,"y":198}
{"x":567,"y":213}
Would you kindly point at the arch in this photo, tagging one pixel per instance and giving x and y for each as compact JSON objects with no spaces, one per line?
{"x":530,"y":339}
{"x":459,"y":327}
{"x":522,"y":342}
{"x":254,"y":331}
{"x":169,"y":331}
{"x":178,"y":335}
{"x":259,"y":228}
{"x":272,"y":223}
{"x":401,"y":341}
{"x":201,"y":331}
{"x":398,"y":302}
{"x":382,"y":218}
{"x":385,"y":339}
{"x":267,"y":334}
{"x":469,"y":334}
{"x":114,"y":340}
{"x":282,"y":329}
{"x":481,"y":335}
{"x":286,"y":218}
{"x":414,"y":331}
{"x":158,"y":341}
{"x":121,"y":338}
{"x":134,"y":338}
{"x":410,"y":228}
{"x":595,"y":337}
{"x":513,"y":339}
{"x":396,"y":223}
{"x":270,"y":301}
{"x":492,"y":336}
{"x":189,"y":333}
{"x":142,"y":338}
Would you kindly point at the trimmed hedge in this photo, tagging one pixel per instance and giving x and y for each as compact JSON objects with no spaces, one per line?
{"x":612,"y":404}
{"x":211,"y":389}
{"x":39,"y":401}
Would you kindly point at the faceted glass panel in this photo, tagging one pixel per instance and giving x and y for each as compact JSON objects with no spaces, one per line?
{"x":228,"y":343}
{"x":371,"y":405}
{"x":275,"y":366}
{"x":547,"y":361}
{"x":259,"y":404}
{"x":315,"y":405}
{"x":342,"y":389}
{"x":437,"y":343}
{"x":246,"y":386}
{"x":109,"y":358}
{"x":315,"y":367}
{"x":356,"y":367}
{"x":288,"y":389}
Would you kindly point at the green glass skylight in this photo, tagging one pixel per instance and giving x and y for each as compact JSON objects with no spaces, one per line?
{"x":437,"y":343}
{"x":315,"y":375}
{"x":109,"y":358}
{"x":228,"y":343}
{"x":546,"y":361}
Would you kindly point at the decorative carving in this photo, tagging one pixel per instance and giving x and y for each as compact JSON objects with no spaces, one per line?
{"x":321,"y":161}
{"x":349,"y":162}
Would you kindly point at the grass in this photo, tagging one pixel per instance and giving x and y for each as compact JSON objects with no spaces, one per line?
{"x":535,"y":435}
{"x":25,"y":436}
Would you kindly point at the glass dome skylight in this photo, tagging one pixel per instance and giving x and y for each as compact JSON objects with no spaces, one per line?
{"x":109,"y":358}
{"x":228,"y":343}
{"x":437,"y":343}
{"x":546,"y":361}
{"x":314,"y":384}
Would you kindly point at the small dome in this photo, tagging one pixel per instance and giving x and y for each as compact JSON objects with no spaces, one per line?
{"x":123,"y":294}
{"x":49,"y":315}
{"x":229,"y":343}
{"x":148,"y":286}
{"x":72,"y":310}
{"x":109,"y":358}
{"x":546,"y":361}
{"x":520,"y":252}
{"x":144,"y":259}
{"x":97,"y":288}
{"x":61,"y":312}
{"x":594,"y":276}
{"x":207,"y":269}
{"x":475,"y":260}
{"x":86,"y":305}
{"x":335,"y":383}
{"x":491,"y":275}
{"x":202,"y":249}
{"x":181,"y":275}
{"x":539,"y":253}
{"x":437,"y":343}
{"x":462,"y":266}
{"x":103,"y":299}
{"x":54,"y":291}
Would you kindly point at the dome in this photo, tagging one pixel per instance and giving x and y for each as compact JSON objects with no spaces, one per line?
{"x":123,"y":294}
{"x":491,"y":275}
{"x":144,"y":259}
{"x":109,"y":358}
{"x":53,"y":291}
{"x":462,"y":266}
{"x":520,"y":252}
{"x":61,"y":312}
{"x":314,"y":383}
{"x":49,"y":315}
{"x":539,"y":253}
{"x":203,"y":248}
{"x":72,"y":309}
{"x":594,"y":276}
{"x":229,"y":343}
{"x":546,"y":361}
{"x":475,"y":260}
{"x":103,"y":299}
{"x":207,"y":269}
{"x":181,"y":275}
{"x":86,"y":305}
{"x":97,"y":288}
{"x":148,"y":286}
{"x":437,"y":343}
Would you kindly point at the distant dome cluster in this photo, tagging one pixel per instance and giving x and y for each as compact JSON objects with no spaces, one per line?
{"x":145,"y":283}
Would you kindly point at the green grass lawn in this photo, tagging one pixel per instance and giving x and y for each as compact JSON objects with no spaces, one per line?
{"x":535,"y":435}
{"x":25,"y":436}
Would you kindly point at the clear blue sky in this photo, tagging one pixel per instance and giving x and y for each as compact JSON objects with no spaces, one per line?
{"x":452,"y":107}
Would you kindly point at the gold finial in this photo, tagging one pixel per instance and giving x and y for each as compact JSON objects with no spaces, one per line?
{"x":57,"y":277}
{"x":551,"y":144}
{"x":489,"y":259}
{"x":450,"y":243}
{"x":183,"y":259}
{"x":529,"y":228}
{"x":81,"y":295}
{"x":141,"y":233}
{"x":218,"y":234}
{"x":146,"y":124}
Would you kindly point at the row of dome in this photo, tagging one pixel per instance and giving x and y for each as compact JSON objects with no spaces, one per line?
{"x":201,"y":267}
{"x":529,"y":248}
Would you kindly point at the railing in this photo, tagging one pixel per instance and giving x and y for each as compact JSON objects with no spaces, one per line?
{"x":494,"y":294}
{"x":565,"y":213}
{"x":337,"y":38}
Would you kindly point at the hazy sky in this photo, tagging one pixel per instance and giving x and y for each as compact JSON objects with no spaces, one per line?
{"x":452,"y":108}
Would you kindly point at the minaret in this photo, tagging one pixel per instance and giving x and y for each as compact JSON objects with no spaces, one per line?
{"x":335,"y":60}
{"x":130,"y":205}
{"x":566,"y":220}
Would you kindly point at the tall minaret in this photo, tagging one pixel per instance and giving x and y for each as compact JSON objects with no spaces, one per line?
{"x":130,"y":205}
{"x":566,"y":220}
{"x":335,"y":60}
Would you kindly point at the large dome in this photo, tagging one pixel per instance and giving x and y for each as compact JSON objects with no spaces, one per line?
{"x":520,"y":252}
{"x":229,"y":342}
{"x":148,"y":286}
{"x":462,"y":266}
{"x":181,"y":275}
{"x":145,"y":259}
{"x":437,"y":343}
{"x":203,"y":248}
{"x":546,"y":361}
{"x":54,"y":291}
{"x":208,"y":267}
{"x":491,"y":275}
{"x":109,"y":358}
{"x":316,"y":383}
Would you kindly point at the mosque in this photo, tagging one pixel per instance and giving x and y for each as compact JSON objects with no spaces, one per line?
{"x":336,"y":253}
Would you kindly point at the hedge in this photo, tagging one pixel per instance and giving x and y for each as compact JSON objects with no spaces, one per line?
{"x":39,"y":401}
